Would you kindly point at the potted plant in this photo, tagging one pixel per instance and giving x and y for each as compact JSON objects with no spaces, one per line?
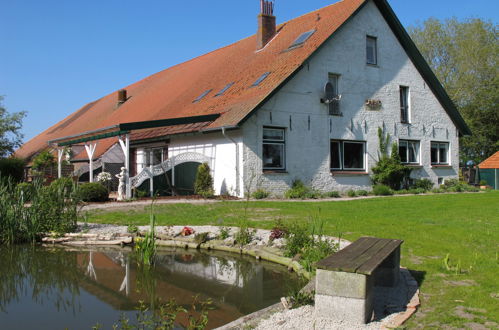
{"x":483,"y":184}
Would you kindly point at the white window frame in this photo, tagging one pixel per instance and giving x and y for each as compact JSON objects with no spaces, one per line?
{"x":375,"y":54}
{"x":342,"y":155}
{"x":408,"y":142}
{"x":405,"y":98}
{"x":149,"y":155}
{"x":439,"y":144}
{"x":281,"y":142}
{"x":334,"y":106}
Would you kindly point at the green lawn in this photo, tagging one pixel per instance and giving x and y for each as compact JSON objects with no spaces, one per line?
{"x":463,"y":226}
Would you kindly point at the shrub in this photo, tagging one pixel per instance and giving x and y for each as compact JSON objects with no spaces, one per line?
{"x":425,"y":184}
{"x":402,"y":192}
{"x":260,"y":194}
{"x":333,"y":194}
{"x":13,"y":168}
{"x":454,"y":185}
{"x":43,"y":160}
{"x":483,"y":183}
{"x":382,"y":190}
{"x":313,"y":194}
{"x":65,"y":185}
{"x":132,"y":229}
{"x":362,"y":193}
{"x":389,"y":170}
{"x":203,"y":185}
{"x":223,"y":233}
{"x":417,"y":191}
{"x":245,"y":235}
{"x":93,"y":192}
{"x":351,"y":193}
{"x":298,"y":190}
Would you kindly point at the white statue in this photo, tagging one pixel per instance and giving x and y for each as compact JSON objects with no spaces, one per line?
{"x":122,"y":184}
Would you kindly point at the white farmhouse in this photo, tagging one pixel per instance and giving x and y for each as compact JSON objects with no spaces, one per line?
{"x":300,"y":100}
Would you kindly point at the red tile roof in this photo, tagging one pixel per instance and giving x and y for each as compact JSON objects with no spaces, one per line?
{"x":491,"y":162}
{"x":170,"y":93}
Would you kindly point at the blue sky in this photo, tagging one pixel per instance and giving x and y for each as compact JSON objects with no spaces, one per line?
{"x":57,"y":55}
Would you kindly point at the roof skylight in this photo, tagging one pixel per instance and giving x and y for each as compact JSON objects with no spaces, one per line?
{"x":259,"y":80}
{"x":200,"y":97}
{"x":229,"y":85}
{"x":302,"y":39}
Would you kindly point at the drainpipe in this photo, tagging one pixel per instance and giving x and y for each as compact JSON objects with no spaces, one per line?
{"x":237,"y":159}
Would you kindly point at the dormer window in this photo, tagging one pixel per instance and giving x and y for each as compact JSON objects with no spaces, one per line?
{"x":259,"y":80}
{"x":200,"y":97}
{"x":222,"y":92}
{"x":301,"y":39}
{"x":371,"y":50}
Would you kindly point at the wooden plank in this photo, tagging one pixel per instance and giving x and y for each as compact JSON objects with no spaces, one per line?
{"x":355,"y":263}
{"x":369,"y":266}
{"x":337,"y":260}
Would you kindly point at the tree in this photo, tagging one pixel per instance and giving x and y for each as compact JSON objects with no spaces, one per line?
{"x":204,"y":181}
{"x":463,"y":55}
{"x":10,"y":130}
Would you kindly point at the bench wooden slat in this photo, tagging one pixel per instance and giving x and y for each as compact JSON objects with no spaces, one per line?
{"x":362,"y":256}
{"x":354,"y":264}
{"x":335,"y":261}
{"x":379,"y":257}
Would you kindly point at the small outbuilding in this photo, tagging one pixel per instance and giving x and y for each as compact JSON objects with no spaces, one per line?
{"x":489,"y":171}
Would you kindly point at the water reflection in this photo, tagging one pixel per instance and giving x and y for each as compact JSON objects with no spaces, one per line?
{"x":86,"y":282}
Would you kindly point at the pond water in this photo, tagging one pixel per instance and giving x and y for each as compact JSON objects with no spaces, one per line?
{"x":56,"y":288}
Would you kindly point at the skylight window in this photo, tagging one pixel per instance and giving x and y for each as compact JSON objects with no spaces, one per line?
{"x":224,"y":89}
{"x":200,"y":97}
{"x":259,"y":80}
{"x":302,"y":39}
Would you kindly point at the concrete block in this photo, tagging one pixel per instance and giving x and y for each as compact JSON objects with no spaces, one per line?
{"x":341,"y":284}
{"x":388,"y":273}
{"x":351,"y":310}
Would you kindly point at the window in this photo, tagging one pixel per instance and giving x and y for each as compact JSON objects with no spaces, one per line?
{"x":274,"y":149}
{"x":409,"y":151}
{"x":334,"y":106}
{"x":259,"y":80}
{"x":404,"y":104}
{"x":440,"y":153}
{"x":302,"y":39}
{"x":348,"y":155}
{"x":224,"y":89}
{"x":371,"y":50}
{"x":155,"y":156}
{"x":200,"y":97}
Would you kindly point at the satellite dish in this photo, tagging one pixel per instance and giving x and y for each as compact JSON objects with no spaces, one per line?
{"x":330,"y":94}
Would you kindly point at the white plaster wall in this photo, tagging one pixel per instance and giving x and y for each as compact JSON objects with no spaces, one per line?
{"x":307,"y":150}
{"x":223,"y":152}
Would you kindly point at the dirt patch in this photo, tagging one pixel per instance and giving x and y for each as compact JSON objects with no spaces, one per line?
{"x":416,"y":260}
{"x":475,"y":326}
{"x":461,"y":283}
{"x":466,"y":312}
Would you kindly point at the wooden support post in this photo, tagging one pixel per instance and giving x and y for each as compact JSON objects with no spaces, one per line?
{"x":90,"y":153}
{"x":151,"y":180}
{"x":60,"y":154}
{"x":125,"y":146}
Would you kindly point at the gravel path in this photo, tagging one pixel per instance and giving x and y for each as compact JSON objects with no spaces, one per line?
{"x":388,"y":303}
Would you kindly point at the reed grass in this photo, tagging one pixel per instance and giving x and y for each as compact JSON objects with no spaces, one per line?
{"x":25,"y":214}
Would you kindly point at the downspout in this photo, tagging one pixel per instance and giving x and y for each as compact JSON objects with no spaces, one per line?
{"x":237,"y":159}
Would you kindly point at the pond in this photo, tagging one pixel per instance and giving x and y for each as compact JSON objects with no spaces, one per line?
{"x":59,"y":288}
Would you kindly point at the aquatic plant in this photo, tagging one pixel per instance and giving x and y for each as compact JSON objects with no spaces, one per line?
{"x":146,"y":247}
{"x":52,"y":208}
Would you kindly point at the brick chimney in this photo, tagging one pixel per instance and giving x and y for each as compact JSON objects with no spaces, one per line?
{"x":266,"y":23}
{"x":122,"y":97}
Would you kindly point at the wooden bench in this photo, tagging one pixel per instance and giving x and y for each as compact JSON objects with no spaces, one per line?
{"x":345,"y":280}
